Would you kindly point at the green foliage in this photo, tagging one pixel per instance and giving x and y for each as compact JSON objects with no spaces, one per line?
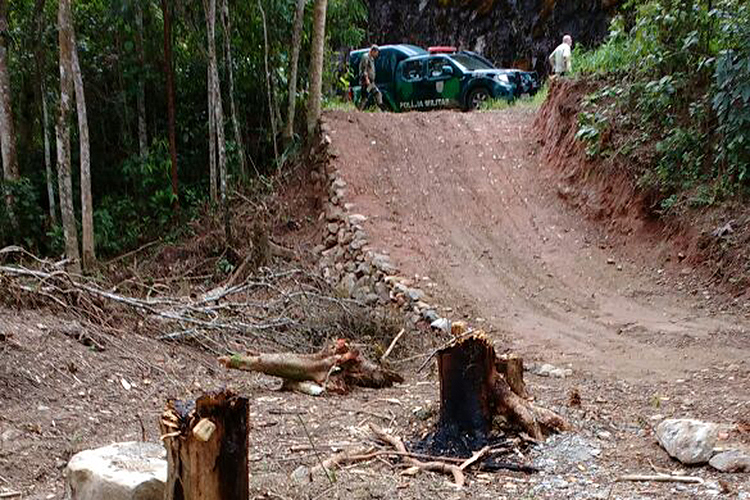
{"x":21,"y":225}
{"x":677,"y":71}
{"x":133,"y":200}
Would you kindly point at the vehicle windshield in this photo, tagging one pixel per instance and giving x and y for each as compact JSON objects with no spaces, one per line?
{"x":470,"y":63}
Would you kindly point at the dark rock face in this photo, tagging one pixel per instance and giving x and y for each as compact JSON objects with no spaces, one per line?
{"x":512,"y":33}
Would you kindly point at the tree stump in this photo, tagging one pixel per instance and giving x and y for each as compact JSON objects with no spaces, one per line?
{"x":206,"y":442}
{"x":475,"y":386}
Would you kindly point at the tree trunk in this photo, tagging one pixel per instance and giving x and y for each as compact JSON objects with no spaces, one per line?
{"x":48,"y":158}
{"x":269,"y":88}
{"x":227,"y":25}
{"x":213,"y":178}
{"x":63,"y":134}
{"x":87,"y":209}
{"x":141,"y":91}
{"x":206,"y":444}
{"x":218,"y":111}
{"x":7,"y":132}
{"x":316,"y":64}
{"x":299,"y":17}
{"x":41,"y":88}
{"x":169,"y":73}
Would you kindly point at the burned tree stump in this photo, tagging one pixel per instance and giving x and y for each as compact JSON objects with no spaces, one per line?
{"x":475,"y":386}
{"x":206,"y":442}
{"x":466,"y":371}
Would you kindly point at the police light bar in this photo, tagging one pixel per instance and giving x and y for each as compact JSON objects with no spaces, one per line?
{"x":441,"y":49}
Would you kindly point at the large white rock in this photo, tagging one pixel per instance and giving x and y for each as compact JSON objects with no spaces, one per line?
{"x":121,"y":471}
{"x":689,"y":441}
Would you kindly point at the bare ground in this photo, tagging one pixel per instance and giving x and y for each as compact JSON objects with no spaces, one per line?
{"x":466,"y":200}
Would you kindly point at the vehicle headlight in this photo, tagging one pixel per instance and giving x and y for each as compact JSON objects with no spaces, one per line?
{"x":502,"y":78}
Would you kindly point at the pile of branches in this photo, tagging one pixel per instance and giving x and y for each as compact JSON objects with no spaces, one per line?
{"x":285,"y":307}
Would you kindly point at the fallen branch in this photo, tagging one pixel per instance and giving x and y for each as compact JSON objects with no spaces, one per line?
{"x":336,"y":368}
{"x":392,"y":345}
{"x":660,"y":478}
{"x":435,"y":466}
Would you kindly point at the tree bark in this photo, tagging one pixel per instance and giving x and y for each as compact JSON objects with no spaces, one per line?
{"x":316,"y":64}
{"x":141,"y":91}
{"x":7,"y":132}
{"x":206,"y":444}
{"x":42,"y":98}
{"x":299,"y":17}
{"x":87,"y":209}
{"x":65,"y":40}
{"x":169,"y":74}
{"x":227,"y":25}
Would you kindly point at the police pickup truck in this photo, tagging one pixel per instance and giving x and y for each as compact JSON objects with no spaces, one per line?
{"x":411,"y":78}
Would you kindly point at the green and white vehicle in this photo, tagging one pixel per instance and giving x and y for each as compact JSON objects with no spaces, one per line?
{"x":411,"y":78}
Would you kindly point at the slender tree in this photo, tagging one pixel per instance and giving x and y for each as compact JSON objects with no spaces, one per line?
{"x":169,"y":73}
{"x":299,"y":17}
{"x":269,"y":89}
{"x":7,"y":132}
{"x":226,"y":22}
{"x":65,"y":39}
{"x":41,"y":89}
{"x":87,"y":209}
{"x":213,"y":178}
{"x":316,"y":64}
{"x":141,"y":90}
{"x":214,"y":92}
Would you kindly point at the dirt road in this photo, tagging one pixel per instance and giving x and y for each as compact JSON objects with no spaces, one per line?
{"x":465,"y":199}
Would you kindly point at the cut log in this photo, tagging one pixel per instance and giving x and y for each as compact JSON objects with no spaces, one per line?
{"x":475,"y":386}
{"x":206,"y":442}
{"x":336,"y":368}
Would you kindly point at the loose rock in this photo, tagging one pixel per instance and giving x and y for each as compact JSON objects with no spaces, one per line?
{"x":689,"y":441}
{"x":121,"y":471}
{"x":731,"y":461}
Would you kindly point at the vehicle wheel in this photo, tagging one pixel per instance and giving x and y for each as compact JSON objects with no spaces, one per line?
{"x":477,"y":97}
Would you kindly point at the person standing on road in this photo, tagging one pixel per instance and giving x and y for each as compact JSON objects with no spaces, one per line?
{"x":367,"y":78}
{"x":560,"y":57}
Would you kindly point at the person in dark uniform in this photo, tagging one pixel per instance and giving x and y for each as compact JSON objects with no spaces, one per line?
{"x":370,"y":91}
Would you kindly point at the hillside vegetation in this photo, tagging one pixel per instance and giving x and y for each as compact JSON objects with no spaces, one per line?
{"x":672,"y":100}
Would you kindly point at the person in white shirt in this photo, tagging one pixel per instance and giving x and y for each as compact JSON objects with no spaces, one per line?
{"x":560,"y":57}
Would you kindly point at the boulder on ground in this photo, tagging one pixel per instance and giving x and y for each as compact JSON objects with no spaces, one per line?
{"x":121,"y":471}
{"x":689,"y":441}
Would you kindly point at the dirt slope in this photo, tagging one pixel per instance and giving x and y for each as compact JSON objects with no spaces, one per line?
{"x":465,"y":199}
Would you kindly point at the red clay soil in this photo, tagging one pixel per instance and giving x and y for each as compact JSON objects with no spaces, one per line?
{"x":468,"y":200}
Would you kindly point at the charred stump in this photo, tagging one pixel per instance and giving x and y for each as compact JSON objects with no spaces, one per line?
{"x":206,"y":442}
{"x":476,"y":386}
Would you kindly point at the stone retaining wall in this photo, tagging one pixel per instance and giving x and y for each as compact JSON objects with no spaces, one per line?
{"x":348,"y":261}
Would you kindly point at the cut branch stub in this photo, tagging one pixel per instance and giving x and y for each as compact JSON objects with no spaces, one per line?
{"x":206,"y":442}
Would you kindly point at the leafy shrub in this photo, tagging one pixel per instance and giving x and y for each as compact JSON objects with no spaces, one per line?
{"x":669,"y":79}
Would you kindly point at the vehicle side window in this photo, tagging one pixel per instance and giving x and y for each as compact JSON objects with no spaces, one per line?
{"x":436,"y":67}
{"x":412,"y":71}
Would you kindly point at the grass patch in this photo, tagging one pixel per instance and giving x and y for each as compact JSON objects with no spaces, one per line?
{"x":338,"y":104}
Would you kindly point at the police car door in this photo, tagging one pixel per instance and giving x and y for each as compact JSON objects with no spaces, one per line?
{"x":441,"y":86}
